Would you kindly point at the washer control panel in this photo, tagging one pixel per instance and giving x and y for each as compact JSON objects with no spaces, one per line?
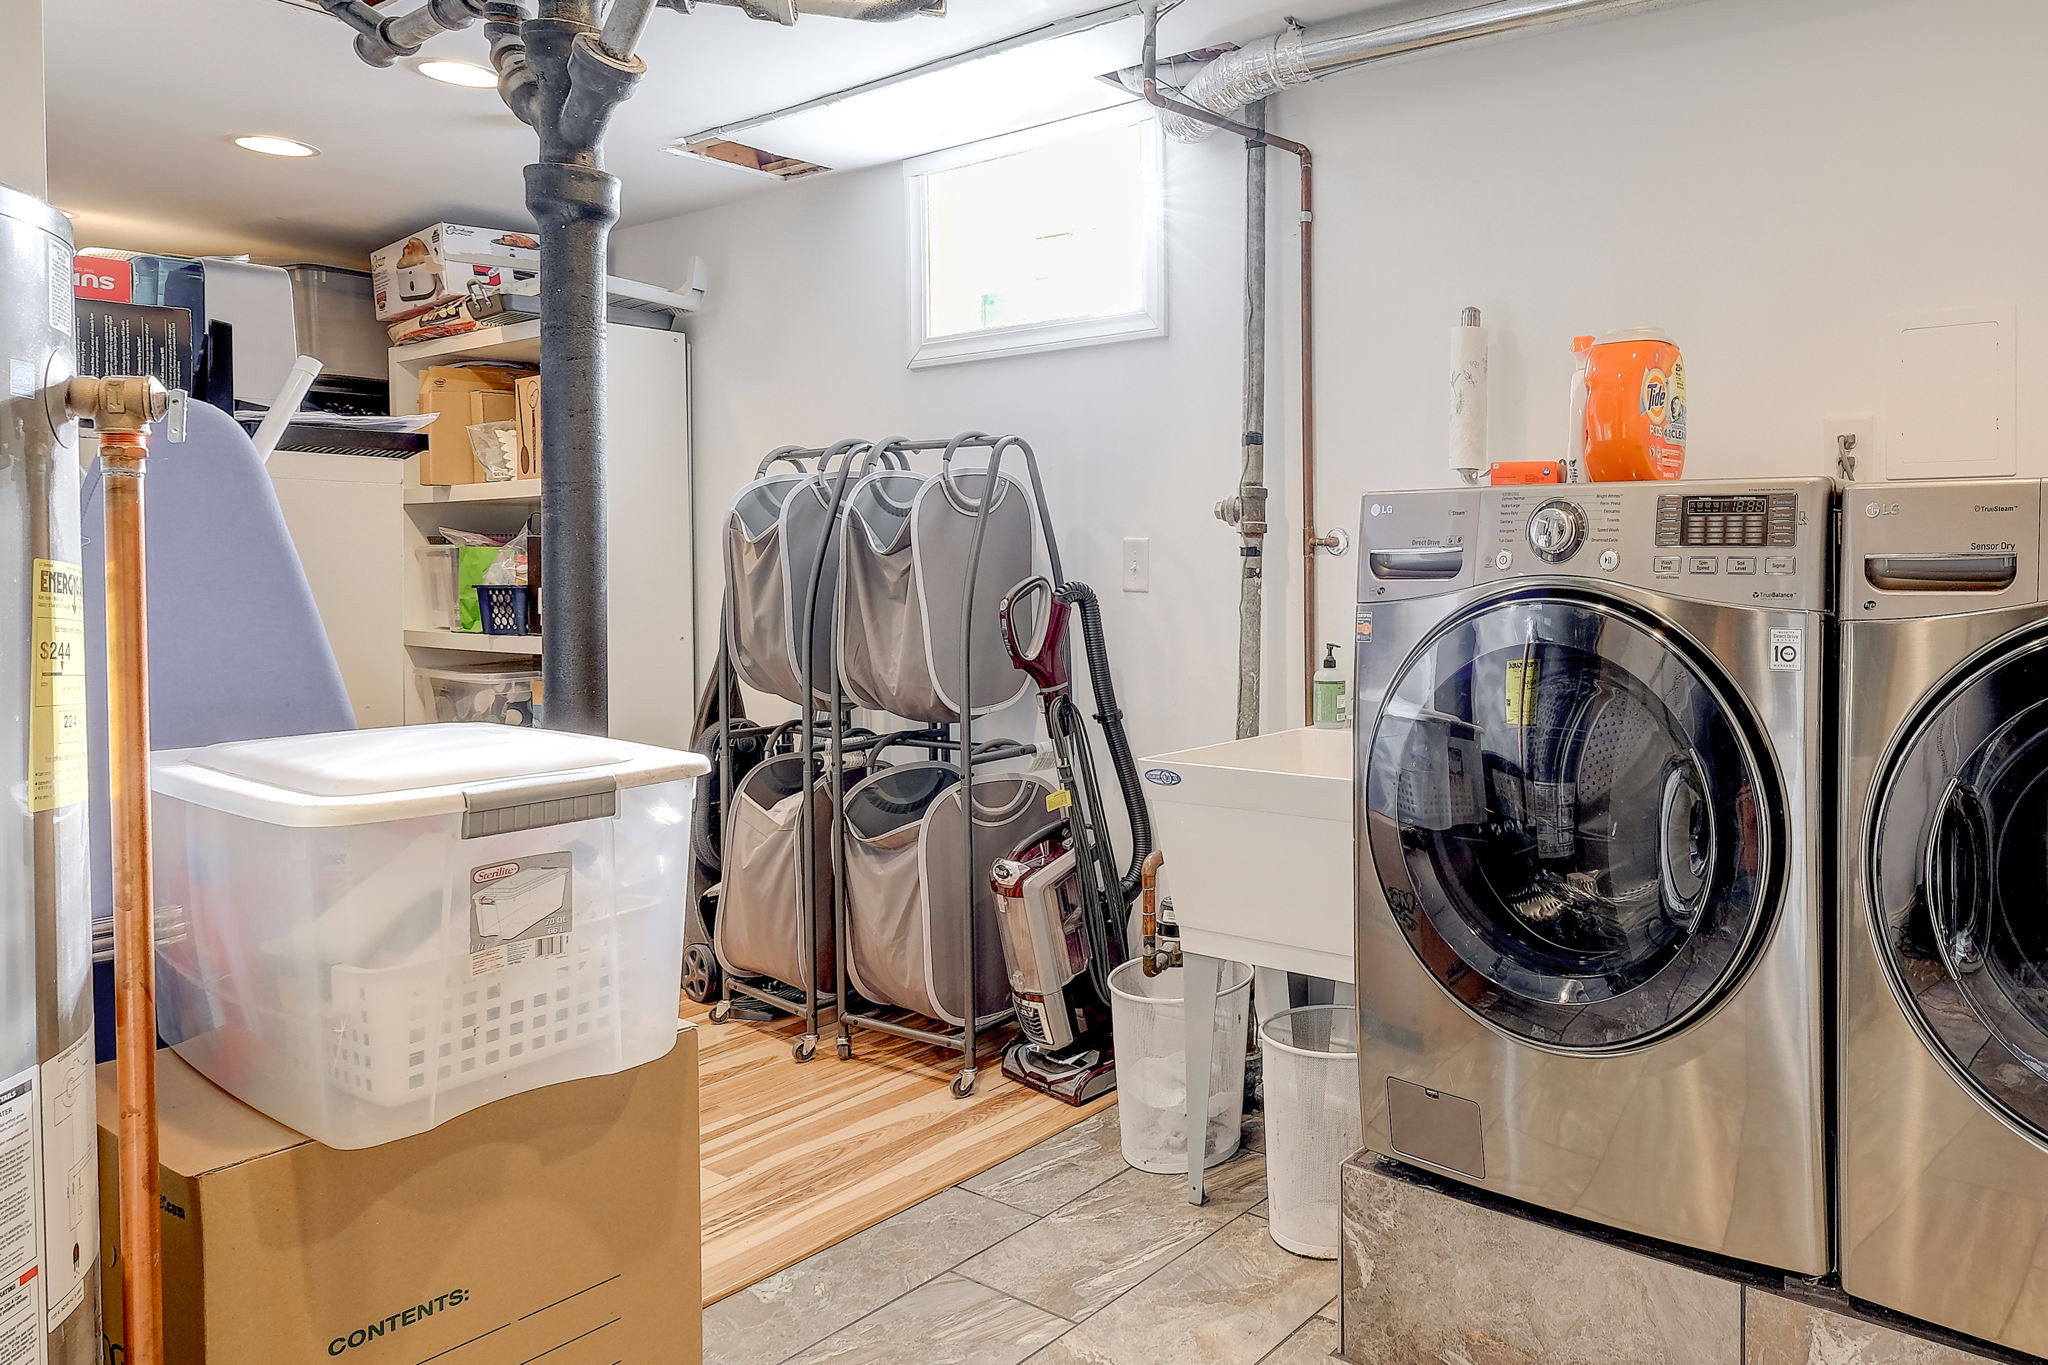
{"x":1556,"y":530}
{"x":1756,"y":544}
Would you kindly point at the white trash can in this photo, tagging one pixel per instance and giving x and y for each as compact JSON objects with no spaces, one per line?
{"x":1148,"y":1015}
{"x":1310,"y":1057}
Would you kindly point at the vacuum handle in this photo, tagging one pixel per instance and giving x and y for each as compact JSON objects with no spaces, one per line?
{"x":1045,"y":660}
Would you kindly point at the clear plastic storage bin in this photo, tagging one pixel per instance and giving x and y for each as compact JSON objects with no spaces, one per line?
{"x":1147,"y":1015}
{"x":482,"y":692}
{"x":1310,"y":1060}
{"x":368,"y":933}
{"x":440,"y":564}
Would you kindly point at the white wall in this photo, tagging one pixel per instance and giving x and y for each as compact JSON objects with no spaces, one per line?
{"x":1768,"y":180}
{"x":24,"y":158}
{"x":805,"y":341}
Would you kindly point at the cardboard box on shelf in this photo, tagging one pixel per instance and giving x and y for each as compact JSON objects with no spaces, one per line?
{"x":439,"y":263}
{"x":527,"y":391}
{"x":450,"y":391}
{"x":559,"y":1225}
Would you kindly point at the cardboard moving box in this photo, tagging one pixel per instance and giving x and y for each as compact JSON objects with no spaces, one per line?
{"x":451,"y":391}
{"x":559,"y":1225}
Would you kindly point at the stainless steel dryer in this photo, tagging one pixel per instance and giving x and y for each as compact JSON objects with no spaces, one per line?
{"x":1590,"y":896}
{"x":1944,"y":906}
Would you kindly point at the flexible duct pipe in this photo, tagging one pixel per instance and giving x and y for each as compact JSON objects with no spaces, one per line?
{"x":1300,"y":55}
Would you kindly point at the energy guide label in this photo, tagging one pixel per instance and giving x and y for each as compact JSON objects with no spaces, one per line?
{"x":56,"y":740}
{"x":22,"y":1339}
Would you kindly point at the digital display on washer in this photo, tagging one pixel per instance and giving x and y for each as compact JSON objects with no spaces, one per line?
{"x":1749,"y":521}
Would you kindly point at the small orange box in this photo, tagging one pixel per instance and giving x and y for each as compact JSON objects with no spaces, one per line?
{"x":1507,"y":472}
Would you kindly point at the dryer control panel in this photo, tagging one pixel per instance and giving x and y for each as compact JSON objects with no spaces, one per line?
{"x":1945,"y":548}
{"x":1763,"y":543}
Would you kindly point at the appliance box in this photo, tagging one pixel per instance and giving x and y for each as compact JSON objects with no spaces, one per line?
{"x":561,"y":1224}
{"x":440,"y":262}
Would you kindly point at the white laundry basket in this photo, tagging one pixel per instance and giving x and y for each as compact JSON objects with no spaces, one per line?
{"x":1149,"y":1018}
{"x":365,"y":934}
{"x":1310,"y":1057}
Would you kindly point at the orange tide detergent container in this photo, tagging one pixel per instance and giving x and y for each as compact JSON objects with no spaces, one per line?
{"x":1634,"y":405}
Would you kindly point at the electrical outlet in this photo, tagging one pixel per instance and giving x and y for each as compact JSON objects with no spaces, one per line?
{"x":1862,"y":428}
{"x":1137,"y":564}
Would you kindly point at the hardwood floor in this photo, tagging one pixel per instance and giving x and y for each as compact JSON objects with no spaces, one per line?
{"x":797,"y":1157}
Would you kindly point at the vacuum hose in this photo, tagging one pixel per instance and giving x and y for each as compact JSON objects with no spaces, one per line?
{"x":1111,"y":718}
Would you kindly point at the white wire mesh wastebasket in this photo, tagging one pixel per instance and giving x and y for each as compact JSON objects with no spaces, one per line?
{"x":1148,"y":1016}
{"x":1310,"y":1057}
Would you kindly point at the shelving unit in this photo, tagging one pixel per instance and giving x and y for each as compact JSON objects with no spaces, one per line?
{"x":470,"y":642}
{"x":441,"y":495}
{"x":652,"y":630}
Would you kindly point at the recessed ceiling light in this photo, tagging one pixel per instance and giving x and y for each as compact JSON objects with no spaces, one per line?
{"x":275,"y":146}
{"x":466,"y":74}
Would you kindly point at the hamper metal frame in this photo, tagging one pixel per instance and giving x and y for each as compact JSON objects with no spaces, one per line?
{"x":828,"y":724}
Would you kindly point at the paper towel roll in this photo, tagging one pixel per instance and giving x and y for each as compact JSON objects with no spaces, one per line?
{"x":1468,"y":397}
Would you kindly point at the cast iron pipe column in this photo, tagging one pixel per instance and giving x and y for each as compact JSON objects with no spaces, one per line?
{"x":574,"y":202}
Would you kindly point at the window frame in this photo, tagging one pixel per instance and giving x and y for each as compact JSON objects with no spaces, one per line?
{"x":1147,"y":320}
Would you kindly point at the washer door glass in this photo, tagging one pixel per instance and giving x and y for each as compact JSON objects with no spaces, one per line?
{"x":1567,"y":816}
{"x":1959,"y":862}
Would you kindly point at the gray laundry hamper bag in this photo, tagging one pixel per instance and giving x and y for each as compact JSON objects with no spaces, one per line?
{"x":906,"y":875}
{"x":902,"y":592}
{"x":778,"y":527}
{"x":760,"y":925}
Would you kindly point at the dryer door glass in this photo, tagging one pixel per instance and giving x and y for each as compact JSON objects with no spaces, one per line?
{"x":1959,"y":863}
{"x":1569,"y":818}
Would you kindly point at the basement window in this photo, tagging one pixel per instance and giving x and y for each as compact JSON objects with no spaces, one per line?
{"x":1038,"y":240}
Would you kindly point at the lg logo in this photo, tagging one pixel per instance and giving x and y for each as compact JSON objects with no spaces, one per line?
{"x":1380,"y":510}
{"x":1874,"y":510}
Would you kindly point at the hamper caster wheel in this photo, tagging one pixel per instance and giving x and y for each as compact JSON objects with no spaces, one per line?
{"x":963,"y":1084}
{"x":701,"y":974}
{"x":845,"y":1049}
{"x":806,"y":1047}
{"x":721,"y":1013}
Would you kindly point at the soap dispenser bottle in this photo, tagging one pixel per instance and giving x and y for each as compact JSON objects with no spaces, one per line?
{"x":1330,"y":693}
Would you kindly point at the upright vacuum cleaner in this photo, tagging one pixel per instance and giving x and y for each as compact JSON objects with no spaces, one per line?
{"x":1061,"y":900}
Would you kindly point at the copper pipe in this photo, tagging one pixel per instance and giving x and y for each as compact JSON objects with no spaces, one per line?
{"x":1310,"y":540}
{"x":141,"y":1230}
{"x":1148,"y":914}
{"x":122,"y":409}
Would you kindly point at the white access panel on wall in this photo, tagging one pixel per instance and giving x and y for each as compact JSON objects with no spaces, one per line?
{"x":1951,"y":404}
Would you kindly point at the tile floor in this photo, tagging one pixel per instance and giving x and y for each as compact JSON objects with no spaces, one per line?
{"x":1062,"y":1255}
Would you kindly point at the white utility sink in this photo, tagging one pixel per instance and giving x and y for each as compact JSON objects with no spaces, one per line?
{"x":1258,"y":845}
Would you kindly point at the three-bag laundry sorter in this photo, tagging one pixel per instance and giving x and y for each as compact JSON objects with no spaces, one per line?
{"x":854,"y":871}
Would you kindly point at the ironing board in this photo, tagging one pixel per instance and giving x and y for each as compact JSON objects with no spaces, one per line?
{"x":236,"y":648}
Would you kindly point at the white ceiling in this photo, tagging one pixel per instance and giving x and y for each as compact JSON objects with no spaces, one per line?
{"x":139,"y":148}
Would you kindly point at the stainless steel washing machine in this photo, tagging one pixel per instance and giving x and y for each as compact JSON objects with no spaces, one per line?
{"x":1944,"y":906}
{"x":1590,"y":882}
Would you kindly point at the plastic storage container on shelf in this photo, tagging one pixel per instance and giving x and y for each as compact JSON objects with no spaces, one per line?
{"x":507,"y":695}
{"x":368,"y":933}
{"x":442,"y":605}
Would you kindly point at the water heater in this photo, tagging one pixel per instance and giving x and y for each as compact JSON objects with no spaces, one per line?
{"x":49,"y":1170}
